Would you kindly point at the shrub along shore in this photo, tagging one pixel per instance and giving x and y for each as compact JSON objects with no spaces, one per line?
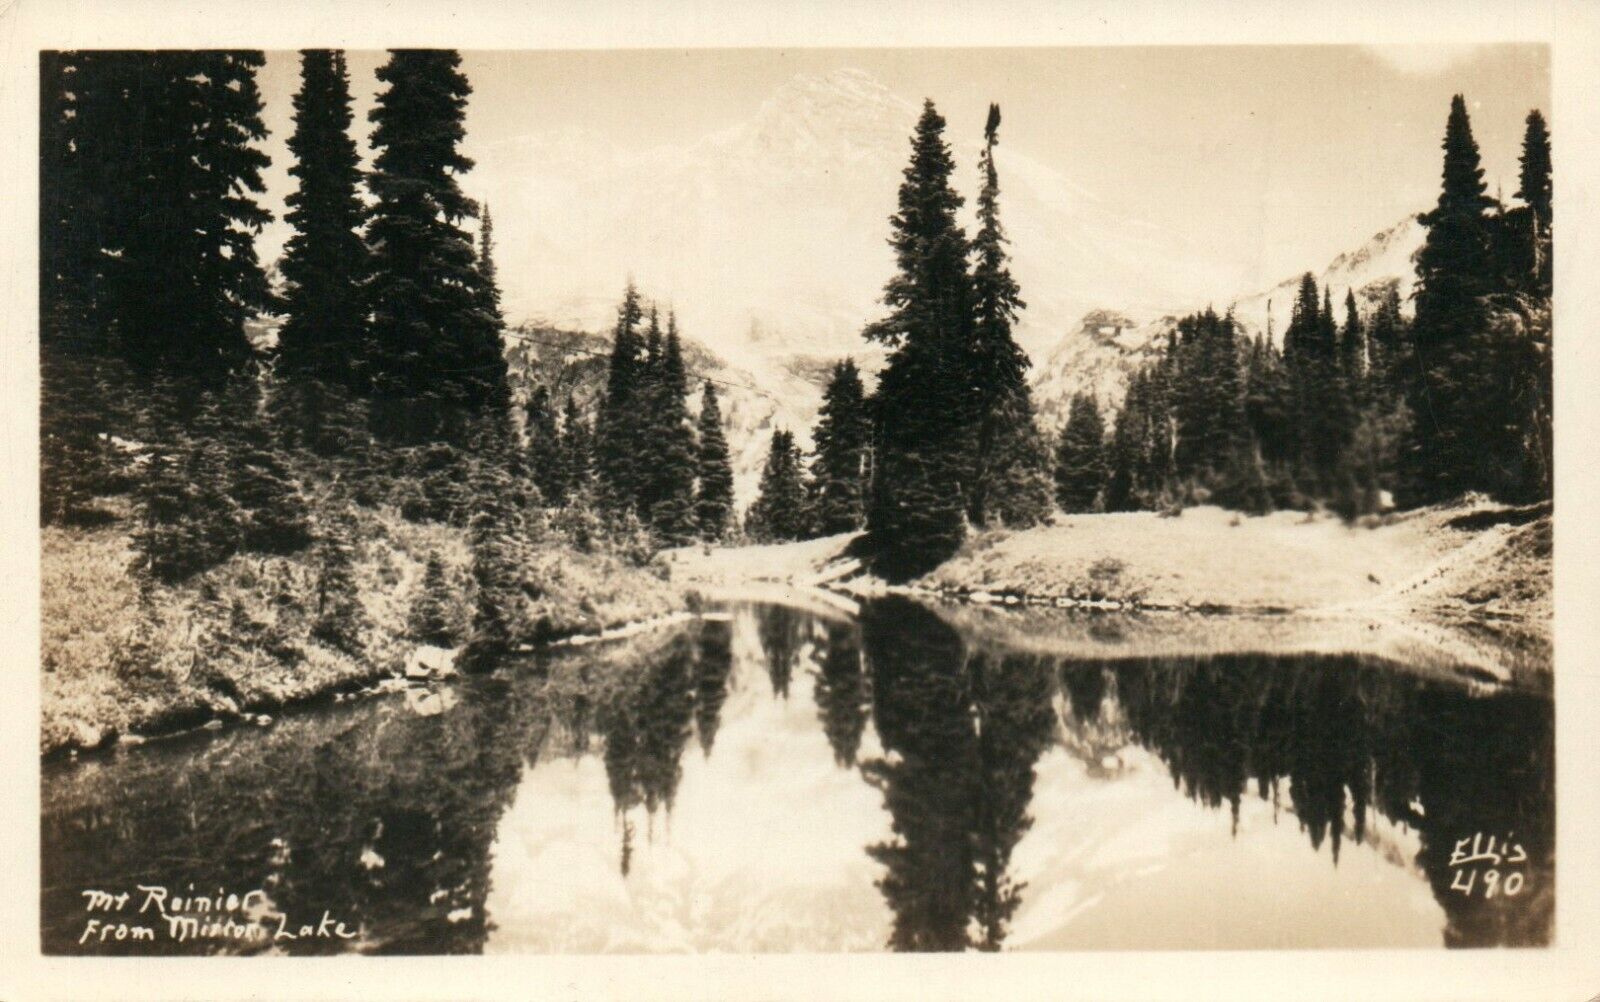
{"x":240,"y":638}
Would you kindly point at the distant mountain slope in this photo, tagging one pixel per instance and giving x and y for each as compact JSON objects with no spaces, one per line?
{"x":1388,"y":257}
{"x":1106,"y":346}
{"x":576,"y":363}
{"x":770,"y":236}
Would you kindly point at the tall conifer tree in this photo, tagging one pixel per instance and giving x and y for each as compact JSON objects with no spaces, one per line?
{"x":1353,"y":347}
{"x":488,"y":273}
{"x":1453,"y":388}
{"x":924,"y":404}
{"x":545,"y":460}
{"x":1081,"y":472}
{"x":1534,"y":186}
{"x":840,"y":467}
{"x":436,"y":348}
{"x":1535,"y":189}
{"x":1007,"y":479}
{"x":672,"y":514}
{"x":324,"y":262}
{"x":713,"y":506}
{"x":576,"y":450}
{"x":617,"y":448}
{"x":779,"y":513}
{"x":166,"y":164}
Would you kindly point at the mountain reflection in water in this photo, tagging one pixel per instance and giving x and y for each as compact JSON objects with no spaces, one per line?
{"x":783,"y":779}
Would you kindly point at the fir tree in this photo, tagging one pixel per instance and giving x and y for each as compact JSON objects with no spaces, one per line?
{"x":1522,"y":235}
{"x":840,"y":467}
{"x":1386,"y":344}
{"x":431,"y":620}
{"x":713,"y":506}
{"x":1353,"y":348}
{"x":1081,"y":457}
{"x":576,"y":449}
{"x":324,"y":262}
{"x":488,"y":274}
{"x":271,"y":506}
{"x":1331,"y":405}
{"x":1534,"y":186}
{"x":925,"y":401}
{"x":188,"y":519}
{"x":617,"y":447}
{"x":498,"y":533}
{"x":1209,"y":397}
{"x":158,"y":193}
{"x":779,"y":511}
{"x":671,"y":493}
{"x":339,"y":618}
{"x":1123,"y":450}
{"x":545,"y":459}
{"x":1457,"y":402}
{"x":436,"y":351}
{"x":1008,"y":480}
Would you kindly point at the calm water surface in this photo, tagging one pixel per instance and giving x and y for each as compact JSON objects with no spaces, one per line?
{"x":775,"y":779}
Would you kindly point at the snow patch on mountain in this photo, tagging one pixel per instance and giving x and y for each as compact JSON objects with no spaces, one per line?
{"x":1389,"y":257}
{"x":1097,"y":358}
{"x":770,"y":236}
{"x":1106,"y":346}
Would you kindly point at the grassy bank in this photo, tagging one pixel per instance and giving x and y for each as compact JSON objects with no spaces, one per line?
{"x":1478,"y":571}
{"x":238,"y":637}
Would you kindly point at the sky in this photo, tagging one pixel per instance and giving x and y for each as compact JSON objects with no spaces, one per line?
{"x":1274,"y":159}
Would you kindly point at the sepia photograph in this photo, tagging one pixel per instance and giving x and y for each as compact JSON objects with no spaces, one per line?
{"x":796,"y":500}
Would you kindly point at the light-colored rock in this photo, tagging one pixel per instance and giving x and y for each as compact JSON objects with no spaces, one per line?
{"x":428,"y":661}
{"x":429,"y":702}
{"x":87,"y":735}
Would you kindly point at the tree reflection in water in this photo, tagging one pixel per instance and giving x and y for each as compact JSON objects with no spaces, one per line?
{"x":961,"y":735}
{"x":963,"y":726}
{"x":782,"y":632}
{"x":1346,"y":736}
{"x":385,"y":818}
{"x":842,"y":693}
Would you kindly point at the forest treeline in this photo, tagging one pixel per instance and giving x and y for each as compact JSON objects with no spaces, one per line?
{"x":386,"y":385}
{"x":1356,"y":407}
{"x":171,"y":408}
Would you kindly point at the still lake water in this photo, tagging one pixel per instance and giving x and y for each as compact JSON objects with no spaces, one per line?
{"x":788,"y":779}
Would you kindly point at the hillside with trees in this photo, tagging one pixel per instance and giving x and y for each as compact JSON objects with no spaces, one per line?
{"x":250,"y":497}
{"x":262,"y":492}
{"x":1356,"y":410}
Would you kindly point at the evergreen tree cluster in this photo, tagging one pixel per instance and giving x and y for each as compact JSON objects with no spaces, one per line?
{"x":650,"y":464}
{"x":953,"y":431}
{"x":800,"y":499}
{"x":386,"y":383}
{"x":948,"y":435}
{"x":780,"y":511}
{"x":1365,"y":410}
{"x":147,"y":212}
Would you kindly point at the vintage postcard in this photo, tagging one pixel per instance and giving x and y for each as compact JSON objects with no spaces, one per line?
{"x":796,"y":497}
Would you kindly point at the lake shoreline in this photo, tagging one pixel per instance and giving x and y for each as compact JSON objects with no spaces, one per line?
{"x":1436,"y":596}
{"x":236,"y":640}
{"x":1471,"y":579}
{"x":183,"y":720}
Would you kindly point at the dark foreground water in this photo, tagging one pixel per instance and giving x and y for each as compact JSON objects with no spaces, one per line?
{"x":781,"y":780}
